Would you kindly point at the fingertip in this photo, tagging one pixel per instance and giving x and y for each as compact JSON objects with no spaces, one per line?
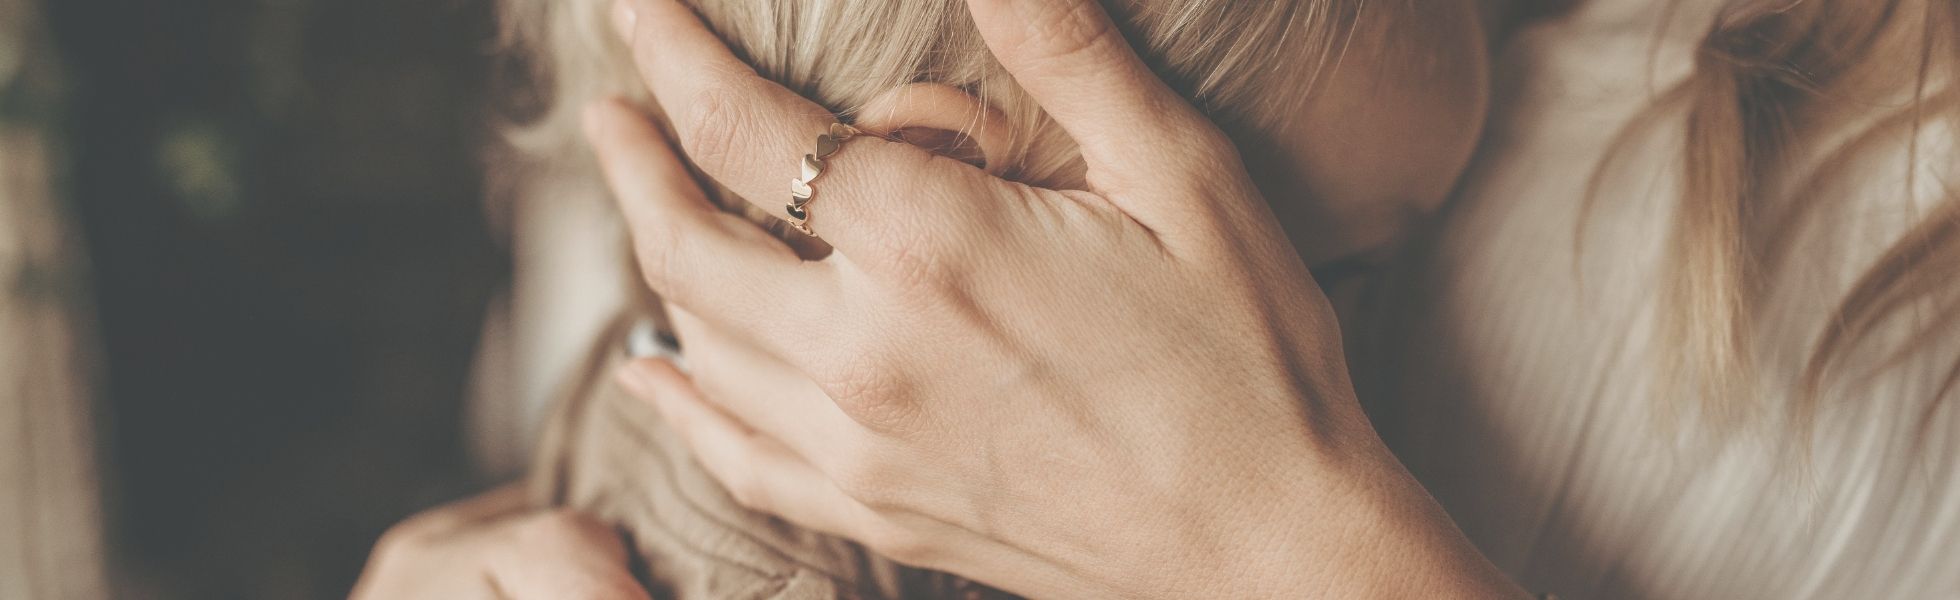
{"x":638,"y":161}
{"x":671,"y":393}
{"x":602,"y":117}
{"x":649,"y":378}
{"x":625,"y":20}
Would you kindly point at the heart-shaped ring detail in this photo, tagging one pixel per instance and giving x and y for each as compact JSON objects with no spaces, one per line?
{"x":812,"y":167}
{"x":827,"y":145}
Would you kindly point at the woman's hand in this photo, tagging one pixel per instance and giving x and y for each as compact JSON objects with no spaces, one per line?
{"x":1127,"y":391}
{"x":491,"y":547}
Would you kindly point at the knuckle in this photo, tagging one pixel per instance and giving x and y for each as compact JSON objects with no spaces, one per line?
{"x":910,"y":259}
{"x":658,"y":249}
{"x":884,"y":186}
{"x":713,"y":123}
{"x":921,"y":267}
{"x":869,"y":392}
{"x":1068,"y":30}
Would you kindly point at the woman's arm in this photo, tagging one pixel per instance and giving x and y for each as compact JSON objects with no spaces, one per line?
{"x":1133,"y":390}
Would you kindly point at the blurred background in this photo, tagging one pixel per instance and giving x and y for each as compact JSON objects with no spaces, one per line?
{"x":244,"y":247}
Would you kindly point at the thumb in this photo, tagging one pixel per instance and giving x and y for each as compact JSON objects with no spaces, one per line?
{"x":1074,"y":61}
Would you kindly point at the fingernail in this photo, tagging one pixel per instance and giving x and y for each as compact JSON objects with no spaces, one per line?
{"x":625,"y":20}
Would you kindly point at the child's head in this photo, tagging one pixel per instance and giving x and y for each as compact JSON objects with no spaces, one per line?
{"x":1348,"y":112}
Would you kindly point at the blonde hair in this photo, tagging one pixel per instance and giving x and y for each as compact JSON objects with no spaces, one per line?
{"x":1766,"y":78}
{"x":1245,"y":63}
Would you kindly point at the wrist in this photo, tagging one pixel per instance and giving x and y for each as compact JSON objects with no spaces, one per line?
{"x":1407,"y":547}
{"x":1381,"y":537}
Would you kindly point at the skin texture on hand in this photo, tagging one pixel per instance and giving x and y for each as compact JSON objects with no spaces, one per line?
{"x":1131,"y":390}
{"x":492,"y":547}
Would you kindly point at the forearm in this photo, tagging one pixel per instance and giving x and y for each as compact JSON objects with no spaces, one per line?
{"x":1377,"y":534}
{"x":1384,"y":538}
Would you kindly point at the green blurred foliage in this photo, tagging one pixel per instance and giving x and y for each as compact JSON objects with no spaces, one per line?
{"x":200,"y":165}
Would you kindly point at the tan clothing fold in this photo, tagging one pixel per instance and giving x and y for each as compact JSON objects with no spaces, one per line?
{"x":609,"y":455}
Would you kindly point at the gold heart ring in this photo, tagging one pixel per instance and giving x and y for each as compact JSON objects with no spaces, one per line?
{"x":801,"y":189}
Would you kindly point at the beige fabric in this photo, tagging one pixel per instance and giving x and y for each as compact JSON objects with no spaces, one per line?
{"x":567,"y":264}
{"x":610,"y":456}
{"x":50,"y":517}
{"x":1522,"y":387}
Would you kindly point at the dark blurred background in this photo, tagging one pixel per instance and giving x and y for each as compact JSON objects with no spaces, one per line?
{"x":283,"y":205}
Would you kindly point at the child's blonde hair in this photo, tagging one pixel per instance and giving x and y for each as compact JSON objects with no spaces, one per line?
{"x":1772,"y":81}
{"x":1247,"y":63}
